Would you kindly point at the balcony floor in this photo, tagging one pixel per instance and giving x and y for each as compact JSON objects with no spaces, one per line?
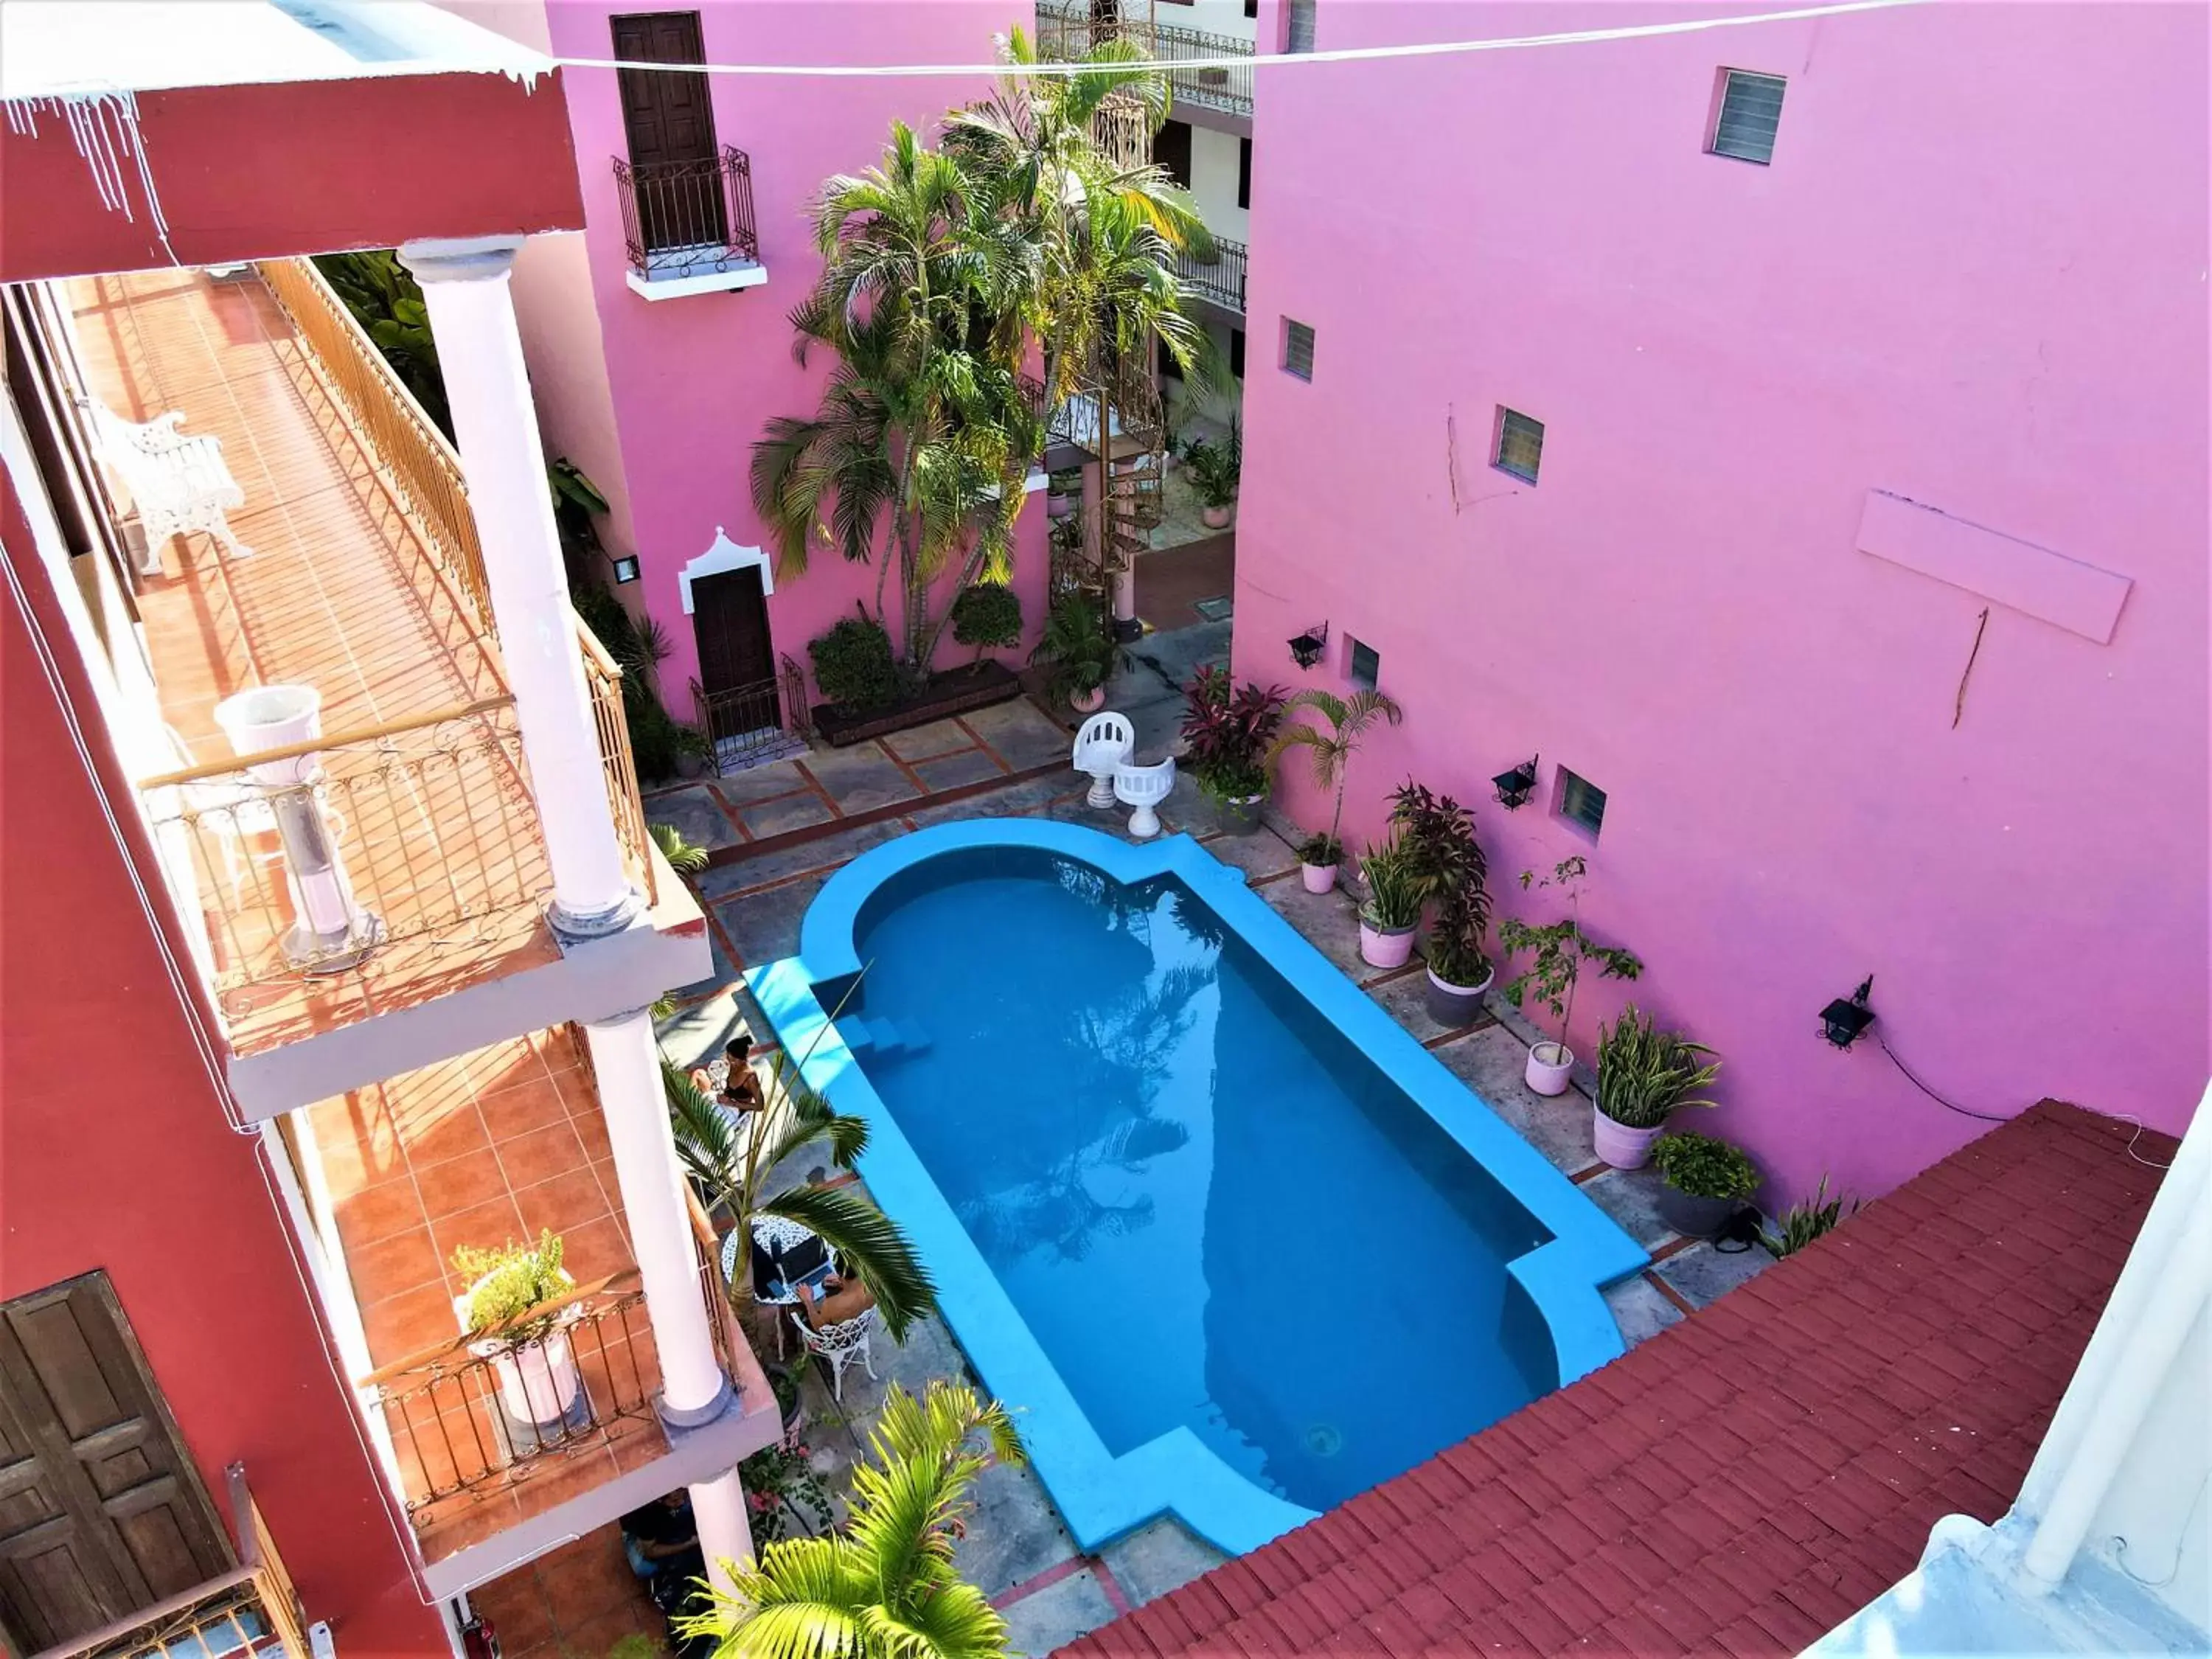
{"x":496,"y":1145}
{"x":341,"y":594}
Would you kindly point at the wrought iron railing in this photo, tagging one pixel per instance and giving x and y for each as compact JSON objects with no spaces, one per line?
{"x":1220,"y":279}
{"x":684,"y":218}
{"x":1067,"y":28}
{"x":603,"y":676}
{"x":741,"y":721}
{"x":319,"y":856}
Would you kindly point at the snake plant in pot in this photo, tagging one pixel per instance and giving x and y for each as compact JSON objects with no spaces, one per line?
{"x":1706,"y":1179}
{"x":1644,"y":1076}
{"x":1392,"y":909}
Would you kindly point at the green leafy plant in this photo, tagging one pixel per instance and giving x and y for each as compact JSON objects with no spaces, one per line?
{"x":784,"y":1493}
{"x":1559,"y":949}
{"x":1644,"y":1073}
{"x":1703,"y":1166}
{"x":1214,"y":468}
{"x":1078,"y":653}
{"x":1395,"y":891}
{"x":635,"y":1646}
{"x":508,"y":1284}
{"x":853,"y":666}
{"x":1229,"y":734}
{"x":387,"y":301}
{"x":1438,"y":834}
{"x":884,"y":1587}
{"x":987,"y":616}
{"x":655,"y":740}
{"x":1332,"y":739}
{"x":686,"y":858}
{"x":1801,"y":1223}
{"x":1322,"y":852}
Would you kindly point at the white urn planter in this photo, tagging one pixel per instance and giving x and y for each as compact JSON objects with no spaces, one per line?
{"x":540,"y":1388}
{"x":1618,"y":1145}
{"x":1384,"y":947}
{"x":1550,"y":1064}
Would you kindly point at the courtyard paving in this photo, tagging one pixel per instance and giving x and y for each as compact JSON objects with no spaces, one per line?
{"x":1015,"y":1548}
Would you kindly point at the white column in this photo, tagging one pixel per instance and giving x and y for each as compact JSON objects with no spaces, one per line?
{"x":464,"y":288}
{"x":627,"y":1066}
{"x":718,"y":1509}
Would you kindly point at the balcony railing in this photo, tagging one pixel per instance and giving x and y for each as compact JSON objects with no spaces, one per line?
{"x":741,"y":721}
{"x":1067,"y":28}
{"x":687,"y":218}
{"x":1220,"y":279}
{"x":603,"y":677}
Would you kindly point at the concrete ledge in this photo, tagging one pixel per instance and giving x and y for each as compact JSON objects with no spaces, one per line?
{"x":2051,"y":586}
{"x":710,"y":282}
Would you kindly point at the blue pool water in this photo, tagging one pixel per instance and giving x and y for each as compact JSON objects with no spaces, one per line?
{"x":1208,"y":1206}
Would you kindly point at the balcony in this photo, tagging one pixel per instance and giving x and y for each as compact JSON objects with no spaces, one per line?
{"x":688,"y":226}
{"x":390,"y":866}
{"x":1218,"y":280}
{"x":1066,"y":30}
{"x":494,"y":1459}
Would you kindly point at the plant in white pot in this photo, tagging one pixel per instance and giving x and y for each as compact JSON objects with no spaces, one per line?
{"x":1706,"y":1178}
{"x":1439,"y":833}
{"x":1214,"y":470}
{"x":1644,"y":1076}
{"x":1331,"y":747}
{"x":516,"y":1314}
{"x":1393,"y":910}
{"x":1559,"y":952}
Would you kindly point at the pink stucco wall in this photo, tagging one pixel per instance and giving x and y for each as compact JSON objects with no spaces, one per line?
{"x":1974,"y":277}
{"x":692,"y":381}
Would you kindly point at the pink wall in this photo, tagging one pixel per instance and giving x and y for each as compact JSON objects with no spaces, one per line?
{"x":1968,"y":280}
{"x":694,"y":380}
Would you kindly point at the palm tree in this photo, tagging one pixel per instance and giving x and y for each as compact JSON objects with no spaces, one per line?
{"x":734,"y":1162}
{"x":1348,"y":719}
{"x":884,"y":1587}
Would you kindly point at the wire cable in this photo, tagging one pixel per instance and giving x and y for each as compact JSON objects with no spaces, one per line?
{"x":1913,"y":1078}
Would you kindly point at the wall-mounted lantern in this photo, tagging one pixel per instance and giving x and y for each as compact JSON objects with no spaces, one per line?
{"x":625,"y":570}
{"x":1515,"y":788}
{"x":1306,"y":649}
{"x":1842,"y":1022}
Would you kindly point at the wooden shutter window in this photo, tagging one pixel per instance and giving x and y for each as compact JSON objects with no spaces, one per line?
{"x":1519,"y":445}
{"x":1298,"y":348}
{"x":1750,"y":116}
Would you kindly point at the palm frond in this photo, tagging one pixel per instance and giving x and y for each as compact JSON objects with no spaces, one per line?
{"x":871,"y":1243}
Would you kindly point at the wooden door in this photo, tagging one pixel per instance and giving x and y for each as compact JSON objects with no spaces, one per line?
{"x":669,"y":120}
{"x":730,"y":615}
{"x":1171,"y":150}
{"x":101,"y":1510}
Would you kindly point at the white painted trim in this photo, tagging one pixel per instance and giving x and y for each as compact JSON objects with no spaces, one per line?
{"x":712,"y":281}
{"x":723,"y":556}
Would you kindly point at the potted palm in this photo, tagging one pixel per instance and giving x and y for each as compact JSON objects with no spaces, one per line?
{"x":1643,"y":1075}
{"x":1439,"y":833}
{"x":1078,"y":653}
{"x":1228,"y":733}
{"x":1332,"y":748}
{"x":1214,"y":470}
{"x":1393,"y":910}
{"x":1560,"y":950}
{"x":515,"y":1314}
{"x":1705,"y":1179}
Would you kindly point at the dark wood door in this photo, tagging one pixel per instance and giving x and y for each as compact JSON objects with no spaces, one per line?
{"x":101,"y":1511}
{"x":737,"y":661}
{"x":1171,"y":150}
{"x":669,"y":120}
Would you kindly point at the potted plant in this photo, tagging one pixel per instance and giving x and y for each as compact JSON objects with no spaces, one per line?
{"x":1078,"y":653}
{"x":694,"y":752}
{"x":989,"y":616}
{"x":1643,"y":1075}
{"x":1063,"y":489}
{"x":1439,"y":833}
{"x":1229,"y":731}
{"x":1214,"y":470}
{"x":506,"y":1312}
{"x":1560,"y":950}
{"x":854,"y":667}
{"x":1706,"y":1178}
{"x":1332,"y":747}
{"x":1393,"y":910}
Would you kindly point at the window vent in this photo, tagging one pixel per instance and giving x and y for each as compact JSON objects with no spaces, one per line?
{"x":1519,"y":445}
{"x":1298,"y":348}
{"x":1365,"y":667}
{"x":1301,"y":26}
{"x":1581,"y":801}
{"x":1751,"y":111}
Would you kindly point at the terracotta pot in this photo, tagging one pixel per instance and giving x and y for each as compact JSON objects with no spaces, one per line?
{"x":1088,"y":702}
{"x":1549,"y":1065}
{"x":1694,"y":1218}
{"x":1381,"y":947}
{"x":1319,"y":878}
{"x":1454,"y":1005}
{"x":1215,"y":518}
{"x":1618,"y":1145}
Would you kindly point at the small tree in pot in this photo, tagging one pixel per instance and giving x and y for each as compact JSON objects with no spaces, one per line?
{"x":987,"y":616}
{"x":1228,"y":731}
{"x":1439,"y":833}
{"x":1393,"y":910}
{"x":1706,"y":1179}
{"x":1643,"y":1075}
{"x":1332,"y":749}
{"x":1560,"y":950}
{"x":1214,"y":470}
{"x":510,"y":1313}
{"x":1078,"y":653}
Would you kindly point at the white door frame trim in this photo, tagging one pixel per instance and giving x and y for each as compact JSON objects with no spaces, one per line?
{"x":723,"y":556}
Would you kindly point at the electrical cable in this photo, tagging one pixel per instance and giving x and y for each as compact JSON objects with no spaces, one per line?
{"x":1948,"y":1106}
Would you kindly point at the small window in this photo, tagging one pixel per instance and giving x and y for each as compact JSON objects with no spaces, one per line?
{"x":1301,"y":36}
{"x":1581,"y":801}
{"x":1365,"y":666}
{"x":1298,"y":348}
{"x":1243,"y":173}
{"x":1750,"y":112}
{"x":1171,"y":150}
{"x":1169,"y":369}
{"x":1237,"y":353}
{"x":1251,"y":8}
{"x":1519,"y":445}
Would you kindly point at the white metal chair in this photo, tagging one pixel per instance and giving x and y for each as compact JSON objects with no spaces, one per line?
{"x":1102,"y":744}
{"x":176,"y":482}
{"x":839,"y":1344}
{"x":1144,"y":787}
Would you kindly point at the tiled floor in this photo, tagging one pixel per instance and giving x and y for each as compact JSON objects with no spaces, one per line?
{"x":1171,"y":583}
{"x":496,"y":1146}
{"x":339,"y":593}
{"x":574,"y":1602}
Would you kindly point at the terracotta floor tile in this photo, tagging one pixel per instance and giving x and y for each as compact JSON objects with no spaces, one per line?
{"x":405,"y":1324}
{"x":402,"y":1261}
{"x":374,"y":1213}
{"x":563,"y":1204}
{"x":484,"y":1226}
{"x":590,"y":1127}
{"x":597,"y":1250}
{"x":511,"y":1112}
{"x":460,"y":1183}
{"x":541,"y":1155}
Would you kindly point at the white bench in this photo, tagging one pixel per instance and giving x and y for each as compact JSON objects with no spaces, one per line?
{"x":176,"y":482}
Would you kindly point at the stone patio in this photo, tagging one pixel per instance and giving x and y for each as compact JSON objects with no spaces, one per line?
{"x":1015,"y":1548}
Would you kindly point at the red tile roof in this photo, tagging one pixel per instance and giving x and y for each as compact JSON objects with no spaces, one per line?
{"x":1743,"y":1480}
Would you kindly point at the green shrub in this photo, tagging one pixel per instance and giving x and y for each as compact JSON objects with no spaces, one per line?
{"x":511,"y":1281}
{"x":1078,"y":653}
{"x":1322,"y":851}
{"x":1701,"y":1166}
{"x":987,"y":616}
{"x":1801,"y":1223}
{"x":853,"y":666}
{"x":656,"y":742}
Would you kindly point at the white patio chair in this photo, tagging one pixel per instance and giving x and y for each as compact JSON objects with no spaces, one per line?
{"x":1102,"y":744}
{"x":839,"y":1344}
{"x":176,"y":482}
{"x":1144,"y":787}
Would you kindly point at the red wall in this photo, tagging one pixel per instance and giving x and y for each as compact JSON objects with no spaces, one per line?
{"x":115,"y":1152}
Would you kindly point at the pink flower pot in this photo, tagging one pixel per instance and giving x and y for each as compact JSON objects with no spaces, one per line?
{"x":1385,"y":948}
{"x":1618,"y":1145}
{"x":1215,"y":518}
{"x":1088,"y":702}
{"x":1319,"y":878}
{"x":1549,"y":1065}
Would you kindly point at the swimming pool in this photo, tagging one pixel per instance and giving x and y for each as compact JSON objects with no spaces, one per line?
{"x":1231,"y":1243}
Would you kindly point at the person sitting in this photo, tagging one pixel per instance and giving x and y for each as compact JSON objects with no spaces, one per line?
{"x":841,"y":1299}
{"x":661,"y":1537}
{"x":741,"y":1089}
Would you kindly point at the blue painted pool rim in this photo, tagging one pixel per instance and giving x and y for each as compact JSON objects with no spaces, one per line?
{"x":1101,"y":1495}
